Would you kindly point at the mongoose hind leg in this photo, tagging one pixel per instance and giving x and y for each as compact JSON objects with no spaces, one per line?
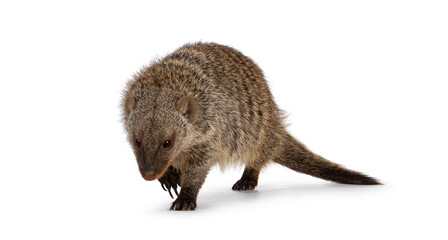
{"x":248,"y":181}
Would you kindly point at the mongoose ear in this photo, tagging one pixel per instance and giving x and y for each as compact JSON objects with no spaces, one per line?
{"x":189,"y":108}
{"x":128,"y":104}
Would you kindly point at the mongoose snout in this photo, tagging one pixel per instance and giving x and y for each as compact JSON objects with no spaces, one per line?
{"x":154,"y":170}
{"x":149,"y":176}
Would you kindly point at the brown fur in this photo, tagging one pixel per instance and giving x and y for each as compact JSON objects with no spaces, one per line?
{"x":213,"y":106}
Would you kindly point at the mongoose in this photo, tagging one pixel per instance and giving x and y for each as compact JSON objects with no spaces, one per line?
{"x":207,"y":104}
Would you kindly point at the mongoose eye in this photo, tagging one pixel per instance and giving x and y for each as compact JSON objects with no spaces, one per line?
{"x":138,"y":143}
{"x":167,"y":144}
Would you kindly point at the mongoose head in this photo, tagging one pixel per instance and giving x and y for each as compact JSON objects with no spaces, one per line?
{"x":160,"y":125}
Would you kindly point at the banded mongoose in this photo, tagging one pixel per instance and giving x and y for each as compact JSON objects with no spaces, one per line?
{"x":207,"y":104}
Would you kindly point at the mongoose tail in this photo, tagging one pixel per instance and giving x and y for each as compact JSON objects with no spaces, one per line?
{"x":297,"y":157}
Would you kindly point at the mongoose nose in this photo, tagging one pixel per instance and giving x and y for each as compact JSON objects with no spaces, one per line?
{"x":149,"y":176}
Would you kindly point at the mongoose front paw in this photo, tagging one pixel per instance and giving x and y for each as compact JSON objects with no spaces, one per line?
{"x":170,"y":180}
{"x":244,"y":184}
{"x":184,"y":203}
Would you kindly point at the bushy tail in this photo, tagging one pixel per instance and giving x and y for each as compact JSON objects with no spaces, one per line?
{"x":297,"y":157}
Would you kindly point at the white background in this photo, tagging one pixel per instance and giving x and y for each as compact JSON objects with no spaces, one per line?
{"x":364,"y":83}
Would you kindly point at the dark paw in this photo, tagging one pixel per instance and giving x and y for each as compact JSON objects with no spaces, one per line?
{"x":183,"y":203}
{"x":244,"y":184}
{"x":170,"y":180}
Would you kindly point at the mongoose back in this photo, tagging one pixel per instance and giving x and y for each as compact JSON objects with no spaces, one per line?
{"x":207,"y":104}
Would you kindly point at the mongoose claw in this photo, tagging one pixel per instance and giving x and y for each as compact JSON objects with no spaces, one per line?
{"x":163,"y":186}
{"x":170,"y":180}
{"x":183,"y":203}
{"x":175,"y":191}
{"x":167,"y":187}
{"x":244,"y":184}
